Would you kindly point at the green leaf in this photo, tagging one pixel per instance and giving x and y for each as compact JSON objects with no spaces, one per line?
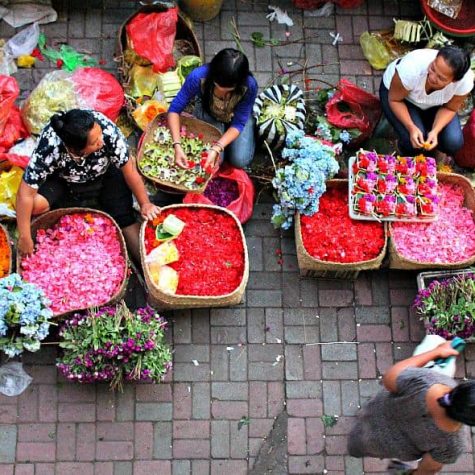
{"x":329,"y":421}
{"x":244,"y":421}
{"x":258,"y":39}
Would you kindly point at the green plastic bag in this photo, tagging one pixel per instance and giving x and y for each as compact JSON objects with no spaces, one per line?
{"x":375,"y":51}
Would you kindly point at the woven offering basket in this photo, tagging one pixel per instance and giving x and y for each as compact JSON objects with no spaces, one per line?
{"x":398,"y":261}
{"x":166,"y":301}
{"x":5,"y":166}
{"x":184,"y":36}
{"x":49,"y":219}
{"x":5,"y":232}
{"x":311,"y":267}
{"x":196,"y":126}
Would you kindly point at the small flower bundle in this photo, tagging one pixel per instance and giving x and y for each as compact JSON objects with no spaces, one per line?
{"x":222,"y":192}
{"x":24,"y":316}
{"x":5,"y":255}
{"x":448,"y":306}
{"x":448,"y":240}
{"x":113,"y":344}
{"x":78,"y":263}
{"x":210,"y":248}
{"x":331,"y":235}
{"x":393,"y":188}
{"x":301,"y":183}
{"x":158,"y":160}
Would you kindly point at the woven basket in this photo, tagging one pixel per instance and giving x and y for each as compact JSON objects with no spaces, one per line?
{"x":397,"y":261}
{"x":197,"y":126}
{"x":184,"y":32}
{"x":5,"y":166}
{"x":49,"y":219}
{"x":311,"y":267}
{"x":164,"y":301}
{"x":3,"y":230}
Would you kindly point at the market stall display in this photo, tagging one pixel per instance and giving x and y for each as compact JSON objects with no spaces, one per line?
{"x":332,"y":245}
{"x":156,"y":156}
{"x":5,"y":253}
{"x":194,"y":256}
{"x":448,"y":242}
{"x":80,"y":259}
{"x":392,"y":188}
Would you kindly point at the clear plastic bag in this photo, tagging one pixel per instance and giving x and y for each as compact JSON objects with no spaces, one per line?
{"x":13,"y":379}
{"x":24,"y":42}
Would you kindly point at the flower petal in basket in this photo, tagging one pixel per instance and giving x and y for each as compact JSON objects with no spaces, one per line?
{"x":200,"y":266}
{"x":5,"y":253}
{"x":69,"y":266}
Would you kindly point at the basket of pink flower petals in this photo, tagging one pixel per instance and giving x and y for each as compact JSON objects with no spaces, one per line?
{"x":79,"y":259}
{"x":446,"y":243}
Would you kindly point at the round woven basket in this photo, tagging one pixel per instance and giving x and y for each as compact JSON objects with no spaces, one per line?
{"x":164,"y":301}
{"x":398,"y":261}
{"x":49,"y":219}
{"x":310,"y":266}
{"x":5,"y":232}
{"x":196,"y":126}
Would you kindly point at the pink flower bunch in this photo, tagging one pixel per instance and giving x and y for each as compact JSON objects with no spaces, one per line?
{"x":78,"y":263}
{"x":449,"y":239}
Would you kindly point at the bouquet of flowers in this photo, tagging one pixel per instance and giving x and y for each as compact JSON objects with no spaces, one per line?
{"x":113,"y":344}
{"x":24,"y":316}
{"x":158,"y":160}
{"x":448,"y":306}
{"x":300,"y":184}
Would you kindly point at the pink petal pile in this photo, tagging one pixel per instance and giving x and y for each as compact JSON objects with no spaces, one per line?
{"x":78,"y":263}
{"x":449,"y":239}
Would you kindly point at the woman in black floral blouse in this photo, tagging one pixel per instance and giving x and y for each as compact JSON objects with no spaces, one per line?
{"x":73,"y":162}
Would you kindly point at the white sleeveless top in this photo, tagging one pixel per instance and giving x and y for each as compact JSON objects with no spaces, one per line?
{"x":412,"y":70}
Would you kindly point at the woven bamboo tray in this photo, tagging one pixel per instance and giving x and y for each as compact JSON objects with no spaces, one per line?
{"x":49,"y":219}
{"x":196,"y":126}
{"x":311,"y":267}
{"x":5,"y":166}
{"x":397,"y":261}
{"x":4,"y":231}
{"x":164,"y":301}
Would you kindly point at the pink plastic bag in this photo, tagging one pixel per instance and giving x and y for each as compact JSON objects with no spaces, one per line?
{"x":100,"y":90}
{"x":152,"y":36}
{"x":9,"y":91}
{"x":243,"y":206}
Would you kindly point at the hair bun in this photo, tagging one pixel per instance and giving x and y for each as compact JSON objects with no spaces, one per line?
{"x":56,"y":121}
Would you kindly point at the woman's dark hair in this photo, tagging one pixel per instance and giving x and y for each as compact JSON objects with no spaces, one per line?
{"x":73,"y":128}
{"x":459,"y":403}
{"x":229,"y":68}
{"x":457,"y":58}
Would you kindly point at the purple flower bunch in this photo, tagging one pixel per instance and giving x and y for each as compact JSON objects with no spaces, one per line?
{"x":448,"y":306}
{"x":222,"y":191}
{"x":113,"y":344}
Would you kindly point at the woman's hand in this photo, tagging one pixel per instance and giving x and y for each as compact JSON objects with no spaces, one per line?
{"x":416,"y":136}
{"x":25,"y":245}
{"x":432,"y":140}
{"x":445,"y":350}
{"x":211,"y":160}
{"x":149,"y":211}
{"x":180,"y":157}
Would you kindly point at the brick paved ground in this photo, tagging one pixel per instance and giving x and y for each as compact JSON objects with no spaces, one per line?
{"x":190,"y":423}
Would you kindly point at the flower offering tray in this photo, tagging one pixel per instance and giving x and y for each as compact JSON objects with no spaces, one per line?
{"x":164,"y":176}
{"x":389,"y":188}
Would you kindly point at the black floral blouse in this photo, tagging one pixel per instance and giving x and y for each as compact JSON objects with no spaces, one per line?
{"x":51,"y":156}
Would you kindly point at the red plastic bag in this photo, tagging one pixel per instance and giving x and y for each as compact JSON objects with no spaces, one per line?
{"x":15,"y":160}
{"x":465,"y":157}
{"x":9,"y":91}
{"x":352,"y":107}
{"x":243,"y":206}
{"x":14,"y":130}
{"x":152,"y":35}
{"x":100,"y":90}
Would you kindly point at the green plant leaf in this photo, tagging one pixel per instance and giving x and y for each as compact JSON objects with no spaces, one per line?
{"x":329,"y":421}
{"x":244,"y":421}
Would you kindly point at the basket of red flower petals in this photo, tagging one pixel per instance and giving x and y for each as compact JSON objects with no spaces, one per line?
{"x":448,"y":242}
{"x":79,"y":260}
{"x":332,"y":245}
{"x":156,"y":154}
{"x":194,"y":255}
{"x":5,"y":253}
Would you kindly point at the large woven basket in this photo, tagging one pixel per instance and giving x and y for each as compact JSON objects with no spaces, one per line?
{"x":397,"y":261}
{"x":197,"y":126}
{"x":311,"y":267}
{"x":5,"y":232}
{"x":49,"y":219}
{"x":184,"y":33}
{"x":164,"y":301}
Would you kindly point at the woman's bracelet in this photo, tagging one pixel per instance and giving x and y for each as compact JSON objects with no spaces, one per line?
{"x":219,"y":145}
{"x":176,"y":143}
